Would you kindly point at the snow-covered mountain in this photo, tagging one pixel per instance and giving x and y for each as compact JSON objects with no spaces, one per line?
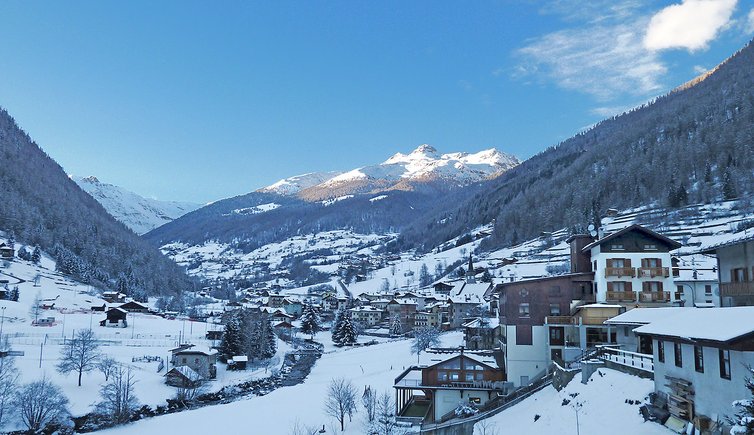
{"x":293,"y":185}
{"x":136,"y":212}
{"x":424,"y":165}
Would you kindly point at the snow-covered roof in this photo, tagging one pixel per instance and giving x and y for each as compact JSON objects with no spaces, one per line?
{"x":726,"y":240}
{"x":486,"y":360}
{"x":601,"y":306}
{"x":466,"y":299}
{"x":491,"y":323}
{"x":715,"y":324}
{"x":478,"y":289}
{"x":404,"y":301}
{"x":366,"y":308}
{"x":197,"y":349}
{"x":643,"y":316}
{"x":635,"y":227}
{"x":240,"y":358}
{"x":188,"y":373}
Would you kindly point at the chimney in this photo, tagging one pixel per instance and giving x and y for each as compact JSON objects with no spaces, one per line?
{"x":580,"y":261}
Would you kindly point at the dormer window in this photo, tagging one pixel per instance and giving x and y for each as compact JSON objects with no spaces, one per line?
{"x":617,"y":247}
{"x":650,"y":247}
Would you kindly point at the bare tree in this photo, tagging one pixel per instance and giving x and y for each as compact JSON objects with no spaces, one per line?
{"x":189,"y":391}
{"x":341,"y":400}
{"x":8,"y":385}
{"x":80,"y":354}
{"x":118,"y":399}
{"x":486,"y":427}
{"x":36,"y":308}
{"x":299,"y":429}
{"x":40,"y":403}
{"x":369,"y":400}
{"x":107,"y":366}
{"x":424,"y":338}
{"x":384,"y":419}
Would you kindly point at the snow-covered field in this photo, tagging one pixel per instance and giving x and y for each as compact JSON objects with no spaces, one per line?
{"x":602,"y":404}
{"x":276,"y":413}
{"x":146,"y":335}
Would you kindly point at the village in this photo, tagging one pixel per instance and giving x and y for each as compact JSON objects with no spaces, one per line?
{"x":627,"y":303}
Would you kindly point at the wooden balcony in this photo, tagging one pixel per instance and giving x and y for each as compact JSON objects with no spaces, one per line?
{"x":654,"y":272}
{"x":559,"y":320}
{"x":737,"y":289}
{"x":620,"y":271}
{"x":621,"y":296}
{"x":654,"y":296}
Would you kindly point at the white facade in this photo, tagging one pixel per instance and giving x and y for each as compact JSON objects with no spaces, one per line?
{"x":447,"y":400}
{"x":524,"y":362}
{"x":713,"y":394}
{"x":634,"y":273}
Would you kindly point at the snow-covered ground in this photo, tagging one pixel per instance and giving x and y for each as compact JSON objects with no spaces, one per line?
{"x":276,"y":413}
{"x":146,"y":335}
{"x":603,"y":407}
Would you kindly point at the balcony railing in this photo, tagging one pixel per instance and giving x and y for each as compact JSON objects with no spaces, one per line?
{"x":737,"y":289}
{"x":559,"y":320}
{"x":654,"y":296}
{"x":621,"y":296}
{"x":653,"y":272}
{"x":620,"y":271}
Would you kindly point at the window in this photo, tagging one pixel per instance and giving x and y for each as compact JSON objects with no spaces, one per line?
{"x":617,"y":286}
{"x":650,"y":247}
{"x":678,"y":355}
{"x":556,"y":336}
{"x":617,"y":247}
{"x":184,"y":360}
{"x":442,"y":376}
{"x":652,"y":286}
{"x":454,"y":376}
{"x":523,"y":310}
{"x":699,"y":359}
{"x":724,"y":356}
{"x":625,"y":331}
{"x":708,"y":289}
{"x":616,"y":262}
{"x":739,"y":275}
{"x":469,"y":376}
{"x":554,"y":309}
{"x":651,"y":262}
{"x":660,"y":351}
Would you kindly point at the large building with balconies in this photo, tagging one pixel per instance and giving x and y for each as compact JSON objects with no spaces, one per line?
{"x":735,"y":268}
{"x":632,"y":267}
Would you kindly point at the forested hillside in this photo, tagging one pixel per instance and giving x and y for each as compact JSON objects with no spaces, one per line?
{"x":695,"y":144}
{"x":40,"y":205}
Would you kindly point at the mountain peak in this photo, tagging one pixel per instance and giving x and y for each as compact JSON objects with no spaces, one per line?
{"x":425,"y":149}
{"x":91,"y":179}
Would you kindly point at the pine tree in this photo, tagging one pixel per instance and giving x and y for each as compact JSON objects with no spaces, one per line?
{"x":743,"y":423}
{"x":337,"y":325}
{"x":231,"y":344}
{"x":310,"y":321}
{"x":268,"y":340}
{"x":425,"y":278}
{"x":36,"y":255}
{"x":347,"y":333}
{"x":396,"y":327}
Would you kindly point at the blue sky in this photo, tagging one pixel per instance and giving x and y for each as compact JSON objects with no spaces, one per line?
{"x":203,"y":100}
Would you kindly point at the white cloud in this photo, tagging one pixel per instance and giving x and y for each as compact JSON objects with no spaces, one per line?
{"x":604,"y":60}
{"x":750,"y":22}
{"x":691,"y":24}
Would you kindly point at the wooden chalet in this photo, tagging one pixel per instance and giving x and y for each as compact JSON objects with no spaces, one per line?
{"x":183,"y":377}
{"x":7,"y":251}
{"x":431,"y":393}
{"x":115,"y":318}
{"x":134,"y":307}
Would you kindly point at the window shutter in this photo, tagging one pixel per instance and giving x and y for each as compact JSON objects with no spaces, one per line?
{"x":733,"y":275}
{"x":645,"y":286}
{"x":626,"y":262}
{"x":609,"y":286}
{"x":659,"y":262}
{"x":644,"y":262}
{"x":609,"y":262}
{"x":659,"y":286}
{"x":628,"y":286}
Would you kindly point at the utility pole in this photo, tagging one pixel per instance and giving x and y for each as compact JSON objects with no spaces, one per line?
{"x":41,"y":346}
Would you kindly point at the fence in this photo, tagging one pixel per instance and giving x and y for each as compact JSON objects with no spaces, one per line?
{"x":626,"y":358}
